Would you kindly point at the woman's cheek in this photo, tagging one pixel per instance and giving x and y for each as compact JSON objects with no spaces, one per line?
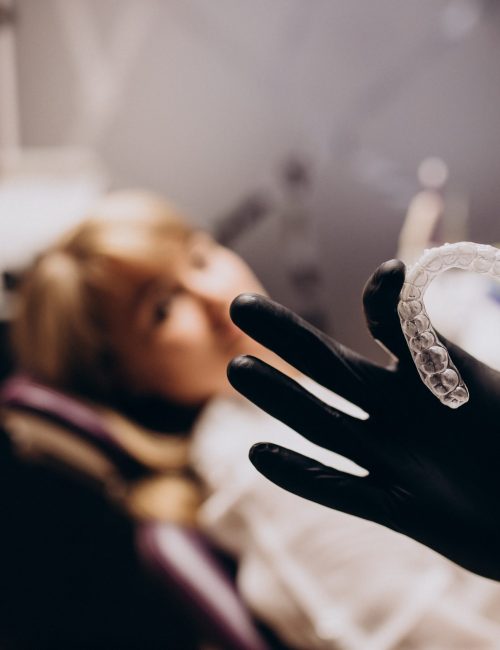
{"x":242,"y":278}
{"x":244,"y":282}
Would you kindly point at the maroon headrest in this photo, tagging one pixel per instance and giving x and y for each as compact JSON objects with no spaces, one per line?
{"x":22,"y":393}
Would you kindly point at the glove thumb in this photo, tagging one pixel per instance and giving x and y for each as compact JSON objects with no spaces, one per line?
{"x":380,"y":301}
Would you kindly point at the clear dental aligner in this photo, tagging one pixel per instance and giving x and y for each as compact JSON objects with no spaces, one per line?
{"x":431,"y":357}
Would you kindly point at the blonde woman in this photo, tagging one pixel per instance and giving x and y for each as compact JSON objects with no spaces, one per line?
{"x":134,"y":305}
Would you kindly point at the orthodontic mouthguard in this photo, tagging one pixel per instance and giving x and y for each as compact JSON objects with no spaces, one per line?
{"x":433,"y":362}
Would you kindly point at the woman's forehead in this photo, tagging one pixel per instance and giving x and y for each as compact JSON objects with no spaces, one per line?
{"x":138,"y":281}
{"x":130,"y":284}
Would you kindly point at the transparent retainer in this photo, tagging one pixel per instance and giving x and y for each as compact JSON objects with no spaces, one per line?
{"x":431,"y":357}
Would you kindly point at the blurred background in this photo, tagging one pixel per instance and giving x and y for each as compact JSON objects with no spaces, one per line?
{"x":298,"y":132}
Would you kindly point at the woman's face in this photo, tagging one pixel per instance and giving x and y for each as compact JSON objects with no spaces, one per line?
{"x":179,"y":337}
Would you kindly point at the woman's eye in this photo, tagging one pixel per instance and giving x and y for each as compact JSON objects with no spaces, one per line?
{"x":161,"y":310}
{"x":198,"y":259}
{"x":200,"y":252}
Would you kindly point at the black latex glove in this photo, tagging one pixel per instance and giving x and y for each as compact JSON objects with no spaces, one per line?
{"x":434,"y":472}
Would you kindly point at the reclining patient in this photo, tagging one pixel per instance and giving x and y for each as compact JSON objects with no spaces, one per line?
{"x":133,"y":306}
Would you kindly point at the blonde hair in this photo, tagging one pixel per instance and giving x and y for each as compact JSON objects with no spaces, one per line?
{"x":61,"y":330}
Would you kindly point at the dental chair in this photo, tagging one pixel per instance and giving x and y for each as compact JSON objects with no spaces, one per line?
{"x":148,"y":584}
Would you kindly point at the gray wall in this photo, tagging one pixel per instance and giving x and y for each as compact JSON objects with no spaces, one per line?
{"x":220,"y":92}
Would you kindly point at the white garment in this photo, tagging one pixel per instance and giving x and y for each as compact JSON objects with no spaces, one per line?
{"x":320,"y":578}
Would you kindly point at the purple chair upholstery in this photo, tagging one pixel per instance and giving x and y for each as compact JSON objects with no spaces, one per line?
{"x":187,"y":564}
{"x":180,"y":558}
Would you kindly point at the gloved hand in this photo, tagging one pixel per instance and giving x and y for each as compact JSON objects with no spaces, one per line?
{"x":434,"y":472}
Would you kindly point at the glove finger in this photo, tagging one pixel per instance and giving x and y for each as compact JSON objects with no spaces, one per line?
{"x":289,"y":402}
{"x":380,"y":301}
{"x":316,"y":355}
{"x":314,"y":481}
